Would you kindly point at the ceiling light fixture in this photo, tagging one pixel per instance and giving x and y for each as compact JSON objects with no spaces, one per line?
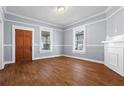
{"x":60,"y":8}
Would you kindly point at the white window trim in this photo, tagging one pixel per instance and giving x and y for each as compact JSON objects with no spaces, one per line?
{"x":79,"y":28}
{"x":51,"y":38}
{"x":14,"y":27}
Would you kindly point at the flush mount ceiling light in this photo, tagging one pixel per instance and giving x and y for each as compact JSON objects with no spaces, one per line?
{"x":60,"y":8}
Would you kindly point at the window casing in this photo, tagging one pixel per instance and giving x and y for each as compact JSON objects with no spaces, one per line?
{"x":79,"y":39}
{"x":46,"y":39}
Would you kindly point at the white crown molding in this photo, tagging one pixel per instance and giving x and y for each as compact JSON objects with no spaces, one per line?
{"x":56,"y":25}
{"x":79,"y":21}
{"x":57,"y":29}
{"x":108,"y":9}
{"x":98,"y":14}
{"x":89,"y":23}
{"x":62,"y":27}
{"x":33,"y":19}
{"x":4,"y":9}
{"x":2,"y":12}
{"x":115,"y":12}
{"x":105,"y":19}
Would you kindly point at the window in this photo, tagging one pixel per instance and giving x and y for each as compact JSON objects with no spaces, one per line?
{"x":45,"y":39}
{"x":79,"y":37}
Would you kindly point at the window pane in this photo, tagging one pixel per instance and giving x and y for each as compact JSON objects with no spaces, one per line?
{"x":79,"y":38}
{"x":45,"y":40}
{"x":79,"y":35}
{"x":79,"y":45}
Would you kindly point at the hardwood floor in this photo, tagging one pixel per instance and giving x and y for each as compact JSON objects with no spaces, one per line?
{"x":59,"y":71}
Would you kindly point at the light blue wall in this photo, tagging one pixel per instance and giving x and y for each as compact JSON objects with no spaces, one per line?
{"x":63,"y":40}
{"x":57,"y":38}
{"x":115,"y":24}
{"x":94,"y":48}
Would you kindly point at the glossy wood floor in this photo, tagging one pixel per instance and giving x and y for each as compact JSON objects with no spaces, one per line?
{"x":59,"y":71}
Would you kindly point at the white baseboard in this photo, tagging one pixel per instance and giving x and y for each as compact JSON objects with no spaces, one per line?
{"x":47,"y":57}
{"x":11,"y":62}
{"x":2,"y":67}
{"x":8,"y":62}
{"x":91,"y":60}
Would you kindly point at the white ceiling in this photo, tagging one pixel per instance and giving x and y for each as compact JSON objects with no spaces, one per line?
{"x":50,"y":14}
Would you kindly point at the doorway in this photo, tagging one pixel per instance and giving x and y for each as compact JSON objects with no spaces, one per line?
{"x":23,"y":46}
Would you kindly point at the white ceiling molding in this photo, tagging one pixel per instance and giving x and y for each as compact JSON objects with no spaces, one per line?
{"x":2,"y":12}
{"x":56,"y":25}
{"x":57,"y":29}
{"x":115,"y":12}
{"x":101,"y":13}
{"x":85,"y":19}
{"x":108,"y":9}
{"x":101,"y":19}
{"x":4,"y":9}
{"x":86,"y":24}
{"x":29,"y":18}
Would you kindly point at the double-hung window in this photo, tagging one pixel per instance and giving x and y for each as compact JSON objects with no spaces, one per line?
{"x":79,"y":39}
{"x":45,"y":39}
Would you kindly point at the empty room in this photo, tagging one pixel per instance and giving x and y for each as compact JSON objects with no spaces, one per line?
{"x":61,"y":45}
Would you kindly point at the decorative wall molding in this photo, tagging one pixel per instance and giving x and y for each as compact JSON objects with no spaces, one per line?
{"x":7,"y":45}
{"x":61,"y":45}
{"x":114,"y":54}
{"x":95,"y":45}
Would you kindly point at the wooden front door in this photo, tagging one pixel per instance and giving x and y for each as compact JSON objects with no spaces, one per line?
{"x":23,"y":46}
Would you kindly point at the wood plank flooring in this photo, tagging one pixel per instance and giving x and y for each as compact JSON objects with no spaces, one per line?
{"x":59,"y":71}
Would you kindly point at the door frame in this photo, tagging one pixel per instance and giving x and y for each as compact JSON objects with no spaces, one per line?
{"x":14,"y":27}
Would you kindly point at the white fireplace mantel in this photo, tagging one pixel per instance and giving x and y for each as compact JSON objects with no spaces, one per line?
{"x":114,"y":53}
